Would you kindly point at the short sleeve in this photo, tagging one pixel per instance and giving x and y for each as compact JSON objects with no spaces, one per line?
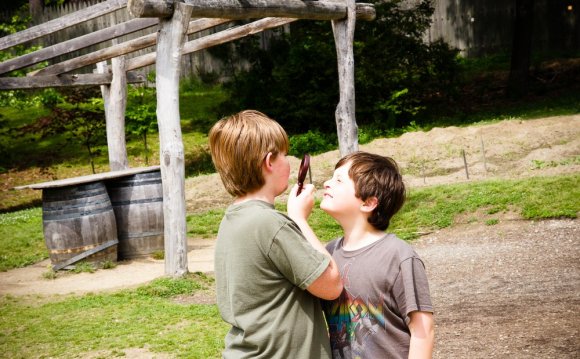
{"x":295,"y":258}
{"x":411,"y":288}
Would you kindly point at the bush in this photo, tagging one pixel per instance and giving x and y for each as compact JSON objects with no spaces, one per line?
{"x":312,"y":142}
{"x":397,"y":74}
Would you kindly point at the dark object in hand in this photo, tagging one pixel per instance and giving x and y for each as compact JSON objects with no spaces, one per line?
{"x":302,"y":171}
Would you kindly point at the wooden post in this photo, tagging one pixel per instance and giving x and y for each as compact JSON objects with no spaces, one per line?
{"x":171,"y":37}
{"x":115,"y":97}
{"x":346,"y":126}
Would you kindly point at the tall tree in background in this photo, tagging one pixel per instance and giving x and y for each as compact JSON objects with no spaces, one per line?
{"x":521,"y":48}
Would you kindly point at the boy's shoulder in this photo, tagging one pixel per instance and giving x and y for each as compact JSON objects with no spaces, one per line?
{"x":390,"y":245}
{"x":257,"y":212}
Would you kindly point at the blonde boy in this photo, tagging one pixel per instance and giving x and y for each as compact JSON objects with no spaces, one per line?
{"x":270,"y":268}
{"x":385,"y":308}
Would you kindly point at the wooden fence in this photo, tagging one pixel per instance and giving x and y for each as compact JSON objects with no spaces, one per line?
{"x":191,"y":65}
{"x":474,"y":27}
{"x":478,"y":27}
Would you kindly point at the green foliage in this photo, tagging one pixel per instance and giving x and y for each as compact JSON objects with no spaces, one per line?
{"x":312,"y":142}
{"x":80,"y":118}
{"x":141,"y":116}
{"x":20,"y":20}
{"x":198,"y":161}
{"x":84,"y":267}
{"x":396,"y":72}
{"x":200,"y":105}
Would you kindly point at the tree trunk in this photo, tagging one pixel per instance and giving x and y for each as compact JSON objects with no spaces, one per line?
{"x":521,"y":48}
{"x":169,"y":50}
{"x":346,"y":126}
{"x":115,"y":98}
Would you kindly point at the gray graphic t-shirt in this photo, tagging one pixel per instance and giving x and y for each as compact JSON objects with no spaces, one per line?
{"x":383,"y":283}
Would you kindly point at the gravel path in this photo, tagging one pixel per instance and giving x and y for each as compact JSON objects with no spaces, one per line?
{"x":510,"y":290}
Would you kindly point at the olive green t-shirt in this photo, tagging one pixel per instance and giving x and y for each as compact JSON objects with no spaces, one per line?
{"x":263,"y":265}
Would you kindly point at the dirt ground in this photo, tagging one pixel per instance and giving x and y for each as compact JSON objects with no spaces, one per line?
{"x":510,"y":290}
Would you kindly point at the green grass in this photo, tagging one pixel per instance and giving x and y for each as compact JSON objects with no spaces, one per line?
{"x":147,"y":317}
{"x":533,"y":198}
{"x":21,"y":239}
{"x":426,"y":209}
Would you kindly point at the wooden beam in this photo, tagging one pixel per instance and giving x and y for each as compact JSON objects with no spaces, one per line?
{"x":75,"y":44}
{"x":120,"y":49}
{"x":346,"y":126}
{"x":15,"y":83}
{"x":60,"y":23}
{"x":308,"y":10}
{"x":172,"y":157}
{"x":213,"y":40}
{"x":158,"y":9}
{"x":247,"y":9}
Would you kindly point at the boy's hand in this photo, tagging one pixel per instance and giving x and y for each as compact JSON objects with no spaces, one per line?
{"x":300,"y":207}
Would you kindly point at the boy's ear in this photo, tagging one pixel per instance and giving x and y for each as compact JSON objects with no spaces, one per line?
{"x":369,"y":205}
{"x":268,"y":161}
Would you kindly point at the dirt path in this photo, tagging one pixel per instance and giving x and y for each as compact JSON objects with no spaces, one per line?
{"x":510,"y":290}
{"x":506,"y":291}
{"x":127,"y":274}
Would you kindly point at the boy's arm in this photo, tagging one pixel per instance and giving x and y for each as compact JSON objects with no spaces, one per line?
{"x":329,"y":284}
{"x":422,"y":335}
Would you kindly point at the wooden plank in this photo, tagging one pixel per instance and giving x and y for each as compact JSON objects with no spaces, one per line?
{"x":306,"y":10}
{"x":60,"y":23}
{"x":214,"y":39}
{"x":247,"y":9}
{"x":75,"y":44}
{"x":89,"y":178}
{"x":120,"y":49}
{"x":172,"y":157}
{"x":157,"y":8}
{"x":15,"y":83}
{"x":346,"y":126}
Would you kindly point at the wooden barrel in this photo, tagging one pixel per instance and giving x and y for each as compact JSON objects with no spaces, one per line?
{"x":79,"y":224}
{"x":138,"y":204}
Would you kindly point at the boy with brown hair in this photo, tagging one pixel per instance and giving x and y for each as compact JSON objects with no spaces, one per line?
{"x":270,"y":268}
{"x":385,"y":309}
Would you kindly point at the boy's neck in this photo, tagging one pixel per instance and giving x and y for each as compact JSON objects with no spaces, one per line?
{"x":359,"y":237}
{"x":256,"y":196}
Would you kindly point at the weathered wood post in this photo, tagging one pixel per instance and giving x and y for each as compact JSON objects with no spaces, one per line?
{"x":171,"y":37}
{"x":173,"y":23}
{"x":115,"y":98}
{"x":346,"y":126}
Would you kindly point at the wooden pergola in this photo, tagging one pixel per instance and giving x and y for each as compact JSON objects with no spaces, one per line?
{"x":175,"y":20}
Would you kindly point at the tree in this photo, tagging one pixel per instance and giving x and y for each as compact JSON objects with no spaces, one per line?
{"x":141,"y":114}
{"x":295,"y":79}
{"x":80,"y":118}
{"x":521,"y":47}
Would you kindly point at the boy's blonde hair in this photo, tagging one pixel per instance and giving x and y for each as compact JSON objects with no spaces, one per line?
{"x":239,"y":144}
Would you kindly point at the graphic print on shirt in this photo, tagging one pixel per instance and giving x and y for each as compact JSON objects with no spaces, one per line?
{"x":353,"y":320}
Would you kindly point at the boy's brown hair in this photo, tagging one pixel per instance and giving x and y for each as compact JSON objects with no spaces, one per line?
{"x":376,"y":176}
{"x":239,"y":144}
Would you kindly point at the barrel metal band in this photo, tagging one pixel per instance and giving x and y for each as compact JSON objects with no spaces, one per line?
{"x":84,"y":255}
